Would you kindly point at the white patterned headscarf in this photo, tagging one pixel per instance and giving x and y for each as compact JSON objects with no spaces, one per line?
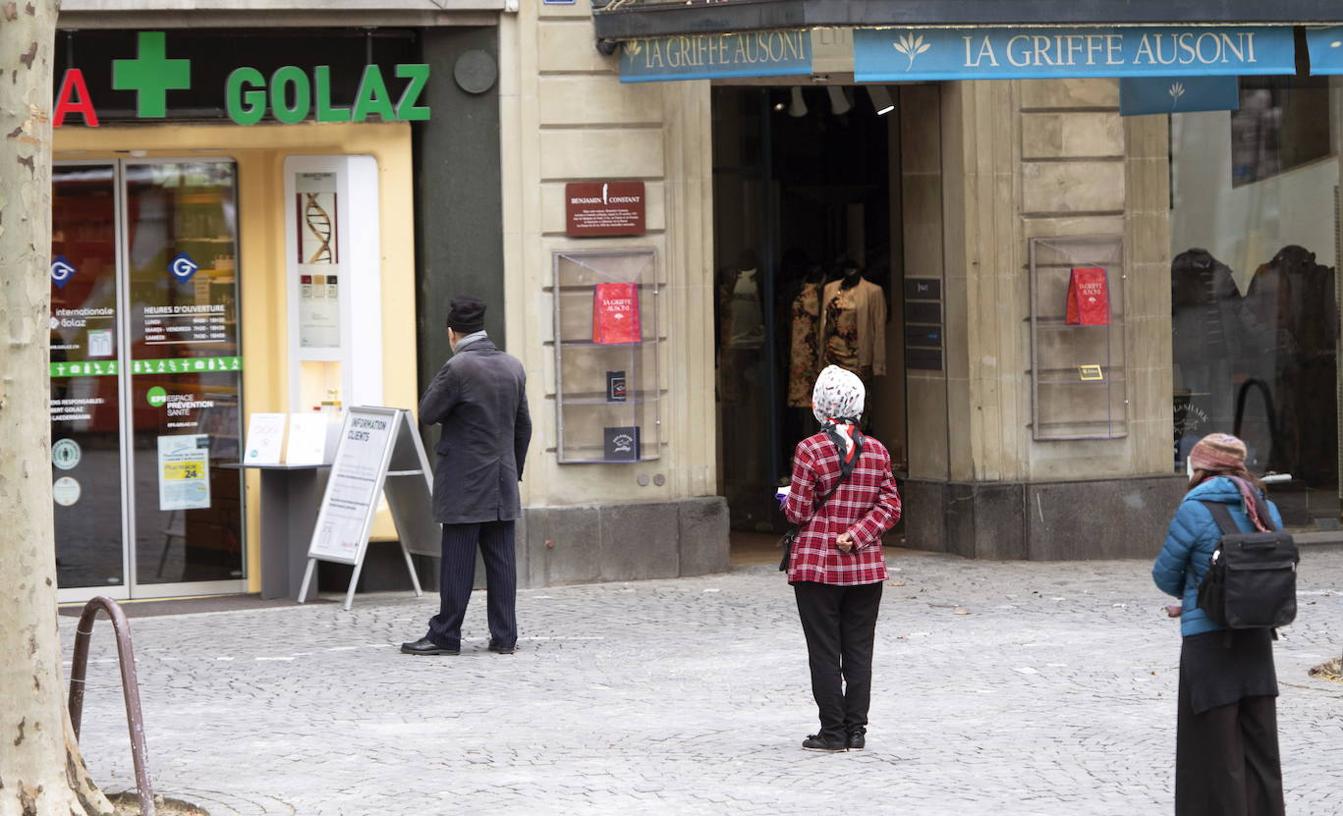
{"x":837,"y":402}
{"x":838,"y":394}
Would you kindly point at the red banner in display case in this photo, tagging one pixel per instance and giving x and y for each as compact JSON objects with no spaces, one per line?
{"x":615,"y":314}
{"x":1088,"y":297}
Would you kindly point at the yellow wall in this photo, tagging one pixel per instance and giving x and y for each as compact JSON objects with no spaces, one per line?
{"x":260,"y":152}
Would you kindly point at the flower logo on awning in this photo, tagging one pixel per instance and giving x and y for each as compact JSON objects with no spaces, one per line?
{"x":911,"y":45}
{"x":1176,"y":92}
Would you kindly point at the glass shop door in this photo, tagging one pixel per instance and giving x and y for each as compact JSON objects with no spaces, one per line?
{"x":146,"y":379}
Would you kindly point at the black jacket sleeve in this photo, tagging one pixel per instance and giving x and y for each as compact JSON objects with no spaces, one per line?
{"x":439,"y":398}
{"x":522,"y":430}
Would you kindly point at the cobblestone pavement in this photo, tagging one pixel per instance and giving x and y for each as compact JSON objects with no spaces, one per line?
{"x":1001,"y":688}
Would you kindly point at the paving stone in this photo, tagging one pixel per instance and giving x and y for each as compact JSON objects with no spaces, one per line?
{"x":1055,"y":694}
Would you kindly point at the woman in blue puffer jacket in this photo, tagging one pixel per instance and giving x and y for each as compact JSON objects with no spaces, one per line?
{"x":1226,"y":755}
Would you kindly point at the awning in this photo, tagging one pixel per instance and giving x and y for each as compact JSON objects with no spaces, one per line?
{"x":629,"y":19}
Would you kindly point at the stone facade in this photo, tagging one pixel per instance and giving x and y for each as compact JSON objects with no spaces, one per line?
{"x":987,"y":166}
{"x":565,"y":117}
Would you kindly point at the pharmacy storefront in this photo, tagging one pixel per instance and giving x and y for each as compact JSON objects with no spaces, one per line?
{"x":214,"y":221}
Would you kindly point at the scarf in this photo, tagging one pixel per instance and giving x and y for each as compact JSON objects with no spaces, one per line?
{"x":845,"y":433}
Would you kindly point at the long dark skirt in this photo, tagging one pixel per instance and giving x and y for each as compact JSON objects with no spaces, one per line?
{"x":1226,"y":756}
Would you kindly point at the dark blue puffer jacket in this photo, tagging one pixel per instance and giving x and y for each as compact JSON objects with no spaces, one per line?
{"x":1192,"y":537}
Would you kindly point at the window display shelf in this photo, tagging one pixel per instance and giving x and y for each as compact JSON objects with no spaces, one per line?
{"x":607,"y":349}
{"x":1078,"y":383}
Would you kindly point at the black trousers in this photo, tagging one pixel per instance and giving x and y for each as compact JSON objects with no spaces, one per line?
{"x":840,"y":624}
{"x":1226,"y":759}
{"x":457,"y":573}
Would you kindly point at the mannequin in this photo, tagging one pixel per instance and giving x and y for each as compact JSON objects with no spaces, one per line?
{"x":748,"y":322}
{"x":853,"y":323}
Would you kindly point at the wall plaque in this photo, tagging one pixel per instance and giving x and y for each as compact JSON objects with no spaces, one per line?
{"x":604,"y":209}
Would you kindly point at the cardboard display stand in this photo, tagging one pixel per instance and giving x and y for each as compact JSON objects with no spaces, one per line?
{"x":379,"y":455}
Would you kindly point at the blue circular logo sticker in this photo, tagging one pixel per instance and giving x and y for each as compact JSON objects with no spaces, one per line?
{"x":62,"y":271}
{"x":182,"y":267}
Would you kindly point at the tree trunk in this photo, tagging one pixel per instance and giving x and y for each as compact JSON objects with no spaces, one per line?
{"x":41,"y":770}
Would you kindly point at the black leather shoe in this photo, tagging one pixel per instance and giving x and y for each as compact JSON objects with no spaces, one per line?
{"x":816,"y":742}
{"x":425,"y":646}
{"x":857,"y":741}
{"x":499,"y":648}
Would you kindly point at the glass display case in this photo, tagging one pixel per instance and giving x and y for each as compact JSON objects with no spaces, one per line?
{"x":1078,"y":383}
{"x":607,"y":349}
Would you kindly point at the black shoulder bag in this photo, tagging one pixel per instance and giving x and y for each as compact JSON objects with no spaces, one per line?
{"x":1251,"y":583}
{"x":845,"y":470}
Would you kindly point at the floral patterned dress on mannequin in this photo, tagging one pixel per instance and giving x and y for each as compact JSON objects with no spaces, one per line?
{"x":804,"y":356}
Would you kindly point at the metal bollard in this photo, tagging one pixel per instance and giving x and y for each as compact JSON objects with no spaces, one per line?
{"x":130,"y":688}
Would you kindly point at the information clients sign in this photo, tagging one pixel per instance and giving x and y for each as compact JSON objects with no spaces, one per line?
{"x":902,"y":55}
{"x":715,"y":56}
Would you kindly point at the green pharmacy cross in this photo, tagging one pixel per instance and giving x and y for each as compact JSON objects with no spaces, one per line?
{"x":151,"y":75}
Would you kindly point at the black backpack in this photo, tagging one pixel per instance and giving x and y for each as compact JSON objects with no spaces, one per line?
{"x":1251,"y":583}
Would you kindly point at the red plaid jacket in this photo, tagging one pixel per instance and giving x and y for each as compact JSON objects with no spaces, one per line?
{"x":867,"y":505}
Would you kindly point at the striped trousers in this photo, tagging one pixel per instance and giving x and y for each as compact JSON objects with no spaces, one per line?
{"x":457,"y":572}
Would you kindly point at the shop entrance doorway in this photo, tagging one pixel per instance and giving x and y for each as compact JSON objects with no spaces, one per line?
{"x":146,"y":379}
{"x":806,"y":206}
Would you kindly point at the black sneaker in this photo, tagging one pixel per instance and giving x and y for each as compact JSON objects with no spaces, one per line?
{"x":499,"y":648}
{"x":817,"y":742}
{"x":857,"y":741}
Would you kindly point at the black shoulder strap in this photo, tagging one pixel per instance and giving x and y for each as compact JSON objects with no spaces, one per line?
{"x":845,"y":467}
{"x":1222,"y":515}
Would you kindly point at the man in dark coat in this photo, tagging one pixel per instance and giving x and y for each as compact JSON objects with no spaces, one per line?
{"x":479,"y":398}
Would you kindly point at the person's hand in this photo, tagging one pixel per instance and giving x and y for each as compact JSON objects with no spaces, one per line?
{"x":845,"y":542}
{"x":1174,"y":610}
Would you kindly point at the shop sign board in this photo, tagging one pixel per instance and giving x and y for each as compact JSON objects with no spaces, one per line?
{"x":716,"y":56}
{"x":604,"y":209}
{"x":923,"y":324}
{"x":379,"y":456}
{"x":1326,"y":50}
{"x":291,"y":94}
{"x":1139,"y":96}
{"x":905,"y":55}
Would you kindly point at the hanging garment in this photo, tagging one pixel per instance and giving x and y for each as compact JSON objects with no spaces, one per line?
{"x":805,"y":356}
{"x":853,"y":327}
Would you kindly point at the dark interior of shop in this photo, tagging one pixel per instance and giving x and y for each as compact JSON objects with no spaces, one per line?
{"x":802,"y":196}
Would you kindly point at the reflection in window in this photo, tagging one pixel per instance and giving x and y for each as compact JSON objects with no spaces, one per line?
{"x":1282,"y":124}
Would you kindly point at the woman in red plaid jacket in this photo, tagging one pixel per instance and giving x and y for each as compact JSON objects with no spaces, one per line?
{"x":836,"y":567}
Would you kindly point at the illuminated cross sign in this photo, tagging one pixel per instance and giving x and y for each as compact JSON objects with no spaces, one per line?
{"x":290,"y":94}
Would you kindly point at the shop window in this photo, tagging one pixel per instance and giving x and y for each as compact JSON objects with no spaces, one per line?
{"x":1254,"y":309}
{"x":608,"y":388}
{"x":1078,"y":372}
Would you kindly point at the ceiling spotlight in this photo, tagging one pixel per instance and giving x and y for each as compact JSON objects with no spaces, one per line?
{"x":839,"y":100}
{"x":798,"y":107}
{"x":881,"y":99}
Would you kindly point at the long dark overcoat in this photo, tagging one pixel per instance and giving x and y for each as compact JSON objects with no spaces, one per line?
{"x":479,"y":398}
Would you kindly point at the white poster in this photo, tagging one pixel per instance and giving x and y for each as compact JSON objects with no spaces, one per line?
{"x":354,"y":489}
{"x":265,"y":439}
{"x":184,"y":472}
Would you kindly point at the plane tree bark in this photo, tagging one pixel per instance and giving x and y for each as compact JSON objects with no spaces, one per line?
{"x":41,"y":770}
